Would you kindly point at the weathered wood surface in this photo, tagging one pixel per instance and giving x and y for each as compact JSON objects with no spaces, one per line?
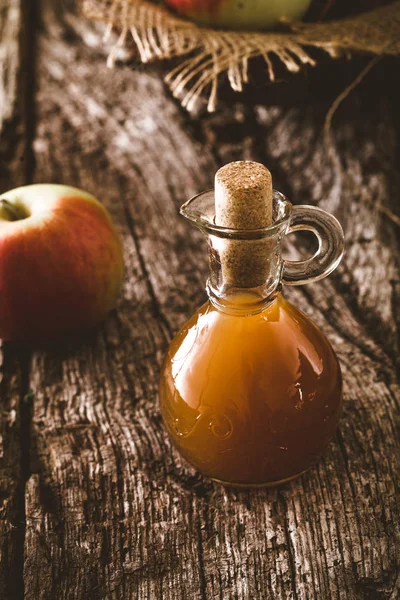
{"x":111,"y":510}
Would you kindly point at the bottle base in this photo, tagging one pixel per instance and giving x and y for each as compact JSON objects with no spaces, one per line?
{"x":268,"y":484}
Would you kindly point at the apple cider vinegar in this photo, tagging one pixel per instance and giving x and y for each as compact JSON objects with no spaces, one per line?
{"x":251,"y":399}
{"x":251,"y":389}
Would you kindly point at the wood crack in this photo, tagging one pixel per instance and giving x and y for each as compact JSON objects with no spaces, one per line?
{"x":289,"y":545}
{"x":26,"y":412}
{"x":156,"y":305}
{"x":203,"y":583}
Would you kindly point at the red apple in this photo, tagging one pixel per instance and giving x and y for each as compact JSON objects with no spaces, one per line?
{"x":241,"y":14}
{"x":61,"y":264}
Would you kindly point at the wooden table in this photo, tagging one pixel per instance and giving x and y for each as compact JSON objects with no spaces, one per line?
{"x":94,"y":501}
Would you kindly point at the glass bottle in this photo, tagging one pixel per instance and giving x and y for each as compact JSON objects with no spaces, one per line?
{"x":251,"y":389}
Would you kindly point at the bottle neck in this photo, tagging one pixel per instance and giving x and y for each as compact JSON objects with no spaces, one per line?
{"x":245,"y":275}
{"x":243,"y":301}
{"x":238,"y":300}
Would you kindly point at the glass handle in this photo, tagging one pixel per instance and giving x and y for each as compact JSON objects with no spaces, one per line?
{"x":330,"y":237}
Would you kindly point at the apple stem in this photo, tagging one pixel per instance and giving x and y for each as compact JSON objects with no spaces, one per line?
{"x":9,"y":212}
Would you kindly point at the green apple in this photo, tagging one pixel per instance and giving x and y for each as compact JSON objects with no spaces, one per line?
{"x":241,"y":14}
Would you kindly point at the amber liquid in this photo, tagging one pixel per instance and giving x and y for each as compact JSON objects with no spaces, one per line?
{"x":251,"y":400}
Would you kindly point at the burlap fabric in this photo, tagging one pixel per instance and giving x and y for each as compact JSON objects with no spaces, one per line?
{"x":207,"y":53}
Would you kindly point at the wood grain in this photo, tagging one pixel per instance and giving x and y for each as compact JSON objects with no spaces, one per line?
{"x":10,"y":29}
{"x":11,"y":479}
{"x":111,"y":509}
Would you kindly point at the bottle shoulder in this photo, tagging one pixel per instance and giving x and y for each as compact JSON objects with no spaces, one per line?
{"x":280,"y":333}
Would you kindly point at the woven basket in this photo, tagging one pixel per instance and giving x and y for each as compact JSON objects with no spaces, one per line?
{"x":205,"y":54}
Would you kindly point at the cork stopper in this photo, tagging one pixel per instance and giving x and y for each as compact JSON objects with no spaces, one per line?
{"x":243,"y":195}
{"x":243,"y":200}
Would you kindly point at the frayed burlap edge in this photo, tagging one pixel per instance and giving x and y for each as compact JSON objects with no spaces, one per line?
{"x":207,"y":53}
